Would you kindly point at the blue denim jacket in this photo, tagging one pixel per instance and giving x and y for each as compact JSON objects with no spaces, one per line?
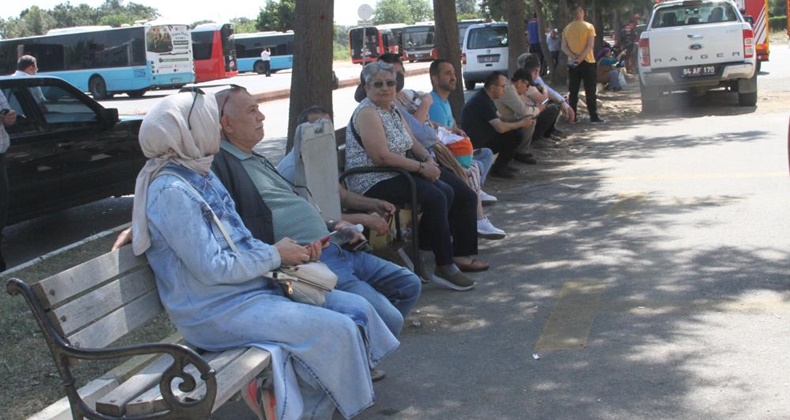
{"x":194,"y":277}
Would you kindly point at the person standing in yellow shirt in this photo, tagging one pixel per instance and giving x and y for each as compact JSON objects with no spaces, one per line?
{"x":577,"y":43}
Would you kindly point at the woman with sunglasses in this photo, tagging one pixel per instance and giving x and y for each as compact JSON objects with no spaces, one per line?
{"x":377,"y":135}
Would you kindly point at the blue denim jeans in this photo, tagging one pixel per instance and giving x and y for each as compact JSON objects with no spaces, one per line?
{"x":391,"y":289}
{"x":484,"y":158}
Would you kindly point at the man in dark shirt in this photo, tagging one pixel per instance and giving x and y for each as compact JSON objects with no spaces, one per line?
{"x":482,"y":124}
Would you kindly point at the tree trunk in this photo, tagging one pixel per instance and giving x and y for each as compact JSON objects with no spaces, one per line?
{"x":516,"y":33}
{"x":311,"y":79}
{"x":563,"y":17}
{"x":448,"y":48}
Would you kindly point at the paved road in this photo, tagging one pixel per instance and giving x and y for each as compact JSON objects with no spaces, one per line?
{"x":644,"y":276}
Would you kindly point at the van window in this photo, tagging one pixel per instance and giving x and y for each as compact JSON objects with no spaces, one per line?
{"x":487,"y":37}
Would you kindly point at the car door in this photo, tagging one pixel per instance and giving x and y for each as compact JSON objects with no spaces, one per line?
{"x":95,"y":158}
{"x":32,"y":160}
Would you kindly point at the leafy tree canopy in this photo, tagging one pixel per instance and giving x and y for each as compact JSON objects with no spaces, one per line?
{"x":276,"y":16}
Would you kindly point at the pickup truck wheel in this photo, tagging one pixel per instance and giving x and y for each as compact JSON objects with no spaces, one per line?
{"x":98,"y":88}
{"x":650,"y":106}
{"x":747,"y":99}
{"x":650,"y":99}
{"x":759,"y":65}
{"x":469,"y":85}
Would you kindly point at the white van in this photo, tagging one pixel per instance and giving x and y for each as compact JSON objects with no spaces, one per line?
{"x":484,"y":51}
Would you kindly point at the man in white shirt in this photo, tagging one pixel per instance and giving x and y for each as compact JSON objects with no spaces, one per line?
{"x":27,"y":66}
{"x":266,"y":57}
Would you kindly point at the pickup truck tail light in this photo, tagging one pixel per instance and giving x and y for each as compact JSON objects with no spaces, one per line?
{"x":748,"y":43}
{"x":463,"y":59}
{"x":644,"y":52}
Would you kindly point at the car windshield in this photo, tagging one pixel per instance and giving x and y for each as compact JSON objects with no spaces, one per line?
{"x":694,"y":14}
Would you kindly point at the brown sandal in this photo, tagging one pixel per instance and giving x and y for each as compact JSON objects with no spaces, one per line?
{"x":474,"y":266}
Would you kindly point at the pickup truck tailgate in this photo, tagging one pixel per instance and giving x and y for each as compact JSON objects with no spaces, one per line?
{"x":696,"y":45}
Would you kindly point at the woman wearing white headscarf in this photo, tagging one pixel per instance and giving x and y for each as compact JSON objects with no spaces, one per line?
{"x":217,"y":297}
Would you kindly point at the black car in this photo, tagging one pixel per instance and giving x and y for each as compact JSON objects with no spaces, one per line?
{"x":66,"y":148}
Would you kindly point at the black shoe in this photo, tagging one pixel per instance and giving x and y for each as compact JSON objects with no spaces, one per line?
{"x":512,"y":169}
{"x":558,"y":133}
{"x":502,"y":172}
{"x":597,"y":120}
{"x":525,"y":158}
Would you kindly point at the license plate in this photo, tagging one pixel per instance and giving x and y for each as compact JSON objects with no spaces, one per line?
{"x":488,"y":58}
{"x":698,"y":71}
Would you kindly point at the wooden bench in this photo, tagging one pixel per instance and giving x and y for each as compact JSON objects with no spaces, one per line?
{"x":82,"y":311}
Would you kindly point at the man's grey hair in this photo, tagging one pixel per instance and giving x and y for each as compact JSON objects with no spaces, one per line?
{"x":375,"y":68}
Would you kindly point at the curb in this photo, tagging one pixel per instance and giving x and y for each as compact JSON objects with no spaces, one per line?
{"x":285,"y":93}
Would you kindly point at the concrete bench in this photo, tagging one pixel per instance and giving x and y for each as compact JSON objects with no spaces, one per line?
{"x":84,"y":310}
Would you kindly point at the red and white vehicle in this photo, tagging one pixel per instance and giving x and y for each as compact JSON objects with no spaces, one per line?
{"x":695,"y":46}
{"x":756,"y":13}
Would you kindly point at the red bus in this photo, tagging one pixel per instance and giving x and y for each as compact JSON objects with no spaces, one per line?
{"x":378,"y":40}
{"x":214,"y":52}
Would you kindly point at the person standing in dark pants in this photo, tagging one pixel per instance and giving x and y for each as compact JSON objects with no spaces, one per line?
{"x":578,"y":39}
{"x":266,"y":58}
{"x":8,"y":117}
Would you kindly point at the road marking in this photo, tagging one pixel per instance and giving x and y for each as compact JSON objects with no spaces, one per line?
{"x":572,"y":316}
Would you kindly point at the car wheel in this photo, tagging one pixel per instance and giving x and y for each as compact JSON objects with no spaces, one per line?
{"x":469,"y":85}
{"x":759,"y":65}
{"x":747,"y":99}
{"x":258,"y":67}
{"x":651,"y":99}
{"x":137,"y":93}
{"x":98,"y":88}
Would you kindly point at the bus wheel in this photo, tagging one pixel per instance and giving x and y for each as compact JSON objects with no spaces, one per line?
{"x":98,"y":88}
{"x":137,"y":93}
{"x":258,"y":67}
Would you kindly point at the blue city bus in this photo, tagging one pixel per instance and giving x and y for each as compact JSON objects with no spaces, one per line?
{"x":105,"y":61}
{"x":249,"y":47}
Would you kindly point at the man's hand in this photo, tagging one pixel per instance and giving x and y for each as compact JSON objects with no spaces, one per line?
{"x":9,"y":118}
{"x":291,"y":253}
{"x":384,"y":209}
{"x":426,"y":99}
{"x":567,"y":111}
{"x":527,"y":122}
{"x":377,"y":224}
{"x":124,"y":238}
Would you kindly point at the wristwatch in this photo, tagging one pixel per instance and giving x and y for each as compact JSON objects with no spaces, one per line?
{"x":330,"y":224}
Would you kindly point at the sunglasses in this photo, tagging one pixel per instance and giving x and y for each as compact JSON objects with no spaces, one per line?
{"x":379,"y":84}
{"x":198,"y":91}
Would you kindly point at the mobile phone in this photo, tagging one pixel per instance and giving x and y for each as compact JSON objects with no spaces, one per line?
{"x":545,"y":102}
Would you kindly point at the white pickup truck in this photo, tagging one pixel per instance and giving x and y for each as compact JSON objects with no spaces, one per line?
{"x":695,"y":46}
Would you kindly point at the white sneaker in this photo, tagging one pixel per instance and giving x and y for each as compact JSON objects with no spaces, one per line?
{"x":487,"y":198}
{"x":486,"y":230}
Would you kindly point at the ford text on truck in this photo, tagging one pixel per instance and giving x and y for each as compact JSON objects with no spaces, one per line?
{"x":696,"y":46}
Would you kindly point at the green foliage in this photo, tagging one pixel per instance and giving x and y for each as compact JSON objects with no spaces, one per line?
{"x":466,"y":7}
{"x":777,"y":8}
{"x":341,"y":36}
{"x":392,"y":11}
{"x":277,"y":16}
{"x":420,"y":10}
{"x":777,"y":23}
{"x":36,"y":21}
{"x":341,"y":52}
{"x":243,"y":25}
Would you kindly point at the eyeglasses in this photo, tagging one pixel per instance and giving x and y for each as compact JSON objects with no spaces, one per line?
{"x":379,"y":84}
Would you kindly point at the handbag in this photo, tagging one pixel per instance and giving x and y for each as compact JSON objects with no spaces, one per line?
{"x":306,"y":283}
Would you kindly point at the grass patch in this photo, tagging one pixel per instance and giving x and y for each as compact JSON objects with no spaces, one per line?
{"x":30,"y":380}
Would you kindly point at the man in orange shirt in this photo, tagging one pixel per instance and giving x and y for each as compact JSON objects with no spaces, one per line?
{"x":578,"y":39}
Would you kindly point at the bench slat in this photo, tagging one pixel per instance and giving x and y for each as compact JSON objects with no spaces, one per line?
{"x":83,"y":277}
{"x":234,"y":368}
{"x":118,"y":323}
{"x":113,"y":403}
{"x":87,"y":309}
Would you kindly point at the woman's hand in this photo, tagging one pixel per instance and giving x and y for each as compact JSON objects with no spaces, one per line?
{"x":291,"y":253}
{"x":430,"y":171}
{"x":377,"y":224}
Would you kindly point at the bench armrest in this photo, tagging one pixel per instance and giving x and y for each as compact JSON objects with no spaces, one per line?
{"x":62,"y":350}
